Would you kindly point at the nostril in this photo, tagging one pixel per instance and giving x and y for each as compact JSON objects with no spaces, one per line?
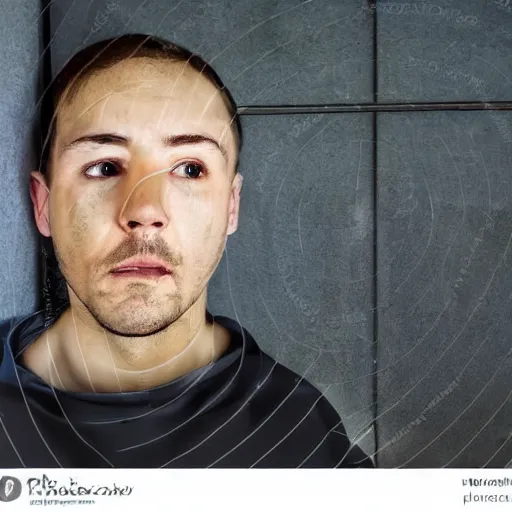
{"x":133,"y":224}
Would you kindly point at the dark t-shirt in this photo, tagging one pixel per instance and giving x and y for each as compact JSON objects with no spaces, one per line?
{"x":244,"y":410}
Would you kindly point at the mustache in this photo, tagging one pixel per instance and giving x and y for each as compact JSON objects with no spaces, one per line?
{"x":132,"y":247}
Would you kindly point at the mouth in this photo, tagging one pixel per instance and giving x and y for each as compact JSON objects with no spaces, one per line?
{"x":142,"y":267}
{"x":141,"y":272}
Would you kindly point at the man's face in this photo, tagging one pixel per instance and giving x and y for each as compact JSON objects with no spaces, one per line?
{"x":107,"y":204}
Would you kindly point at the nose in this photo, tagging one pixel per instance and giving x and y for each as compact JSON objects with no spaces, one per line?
{"x":143,"y":199}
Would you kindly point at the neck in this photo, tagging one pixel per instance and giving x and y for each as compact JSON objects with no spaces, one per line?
{"x":78,"y":355}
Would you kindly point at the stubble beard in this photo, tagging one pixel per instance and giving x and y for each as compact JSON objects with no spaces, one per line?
{"x":131,"y":324}
{"x":138,"y":327}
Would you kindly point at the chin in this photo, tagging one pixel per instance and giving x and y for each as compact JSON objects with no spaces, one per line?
{"x":138,"y":321}
{"x":134,"y":328}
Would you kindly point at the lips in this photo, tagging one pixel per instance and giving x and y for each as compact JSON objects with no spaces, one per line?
{"x":142,"y":271}
{"x":144,"y":266}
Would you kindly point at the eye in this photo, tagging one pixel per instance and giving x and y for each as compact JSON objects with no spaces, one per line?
{"x":102,"y":170}
{"x":191,"y":170}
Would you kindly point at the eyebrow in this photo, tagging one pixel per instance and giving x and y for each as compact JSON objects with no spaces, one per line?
{"x":169,"y":141}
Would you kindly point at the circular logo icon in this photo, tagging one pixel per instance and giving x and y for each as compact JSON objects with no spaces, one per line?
{"x":10,"y":488}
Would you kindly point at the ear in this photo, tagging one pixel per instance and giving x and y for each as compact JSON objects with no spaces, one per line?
{"x":39,"y":194}
{"x":234,"y":203}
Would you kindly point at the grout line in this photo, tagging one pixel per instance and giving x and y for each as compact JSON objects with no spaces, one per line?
{"x":373,"y":107}
{"x":375,"y":389}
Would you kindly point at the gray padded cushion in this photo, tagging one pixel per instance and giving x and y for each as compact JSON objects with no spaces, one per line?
{"x":19,"y":60}
{"x":445,"y":280}
{"x":445,"y":50}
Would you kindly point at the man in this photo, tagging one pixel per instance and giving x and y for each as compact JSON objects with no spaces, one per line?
{"x":139,"y":191}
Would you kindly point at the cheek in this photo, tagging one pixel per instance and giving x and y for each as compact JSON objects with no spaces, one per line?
{"x":79,"y":223}
{"x":201,"y":224}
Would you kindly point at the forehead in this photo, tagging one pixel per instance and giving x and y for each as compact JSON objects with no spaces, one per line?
{"x":144,"y":93}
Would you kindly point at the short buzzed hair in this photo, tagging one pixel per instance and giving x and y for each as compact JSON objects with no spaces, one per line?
{"x":106,"y":53}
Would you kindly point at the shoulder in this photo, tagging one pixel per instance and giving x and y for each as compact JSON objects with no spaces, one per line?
{"x":301,"y":399}
{"x":275,"y":385}
{"x":277,"y":374}
{"x":300,"y":413}
{"x":292,"y":416}
{"x":287,"y":394}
